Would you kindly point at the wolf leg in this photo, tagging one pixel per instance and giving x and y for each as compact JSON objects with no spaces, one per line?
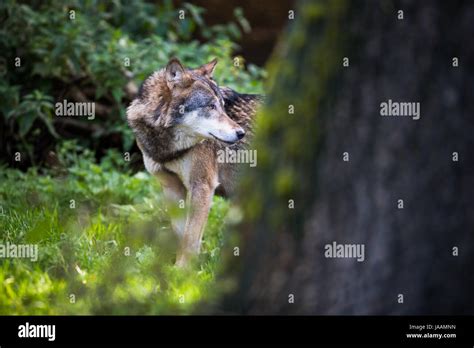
{"x":199,"y":201}
{"x":175,"y":196}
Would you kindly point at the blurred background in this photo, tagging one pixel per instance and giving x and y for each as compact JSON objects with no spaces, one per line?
{"x":338,"y":171}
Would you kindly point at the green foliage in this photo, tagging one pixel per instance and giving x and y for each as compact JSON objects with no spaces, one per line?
{"x":113,"y":248}
{"x":93,"y":53}
{"x":86,"y":215}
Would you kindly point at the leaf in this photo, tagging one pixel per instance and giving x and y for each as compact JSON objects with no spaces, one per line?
{"x":25,"y":122}
{"x":117,"y":93}
{"x":244,"y":23}
{"x":47,"y":121}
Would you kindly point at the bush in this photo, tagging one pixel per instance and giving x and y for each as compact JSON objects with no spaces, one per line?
{"x":97,"y":51}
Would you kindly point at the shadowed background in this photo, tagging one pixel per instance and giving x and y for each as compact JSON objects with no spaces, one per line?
{"x":408,"y":251}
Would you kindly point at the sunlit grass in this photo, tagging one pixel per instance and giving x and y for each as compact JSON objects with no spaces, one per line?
{"x":111,"y":252}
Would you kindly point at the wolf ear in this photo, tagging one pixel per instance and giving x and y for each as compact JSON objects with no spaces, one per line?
{"x":175,"y":73}
{"x":207,"y":70}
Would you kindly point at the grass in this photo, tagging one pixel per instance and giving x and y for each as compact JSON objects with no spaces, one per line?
{"x":104,"y":242}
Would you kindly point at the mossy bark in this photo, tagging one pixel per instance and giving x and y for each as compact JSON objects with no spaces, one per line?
{"x":408,"y":251}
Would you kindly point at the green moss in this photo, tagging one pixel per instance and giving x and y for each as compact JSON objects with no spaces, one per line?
{"x":300,"y":74}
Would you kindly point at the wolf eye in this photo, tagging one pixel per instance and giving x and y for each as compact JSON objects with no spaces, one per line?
{"x":211,"y":106}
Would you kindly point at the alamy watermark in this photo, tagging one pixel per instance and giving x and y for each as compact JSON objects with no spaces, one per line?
{"x":393,"y":108}
{"x":66,"y":108}
{"x":20,"y":251}
{"x":237,"y":156}
{"x":28,"y":330}
{"x":336,"y":250}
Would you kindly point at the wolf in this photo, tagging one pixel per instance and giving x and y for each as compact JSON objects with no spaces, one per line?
{"x":181,"y":118}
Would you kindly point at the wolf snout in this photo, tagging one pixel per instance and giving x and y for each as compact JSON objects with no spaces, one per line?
{"x":240,"y":133}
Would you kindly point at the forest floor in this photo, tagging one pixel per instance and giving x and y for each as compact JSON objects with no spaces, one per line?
{"x":104,"y":242}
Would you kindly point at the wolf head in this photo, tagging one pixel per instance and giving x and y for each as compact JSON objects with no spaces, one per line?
{"x":196,"y":104}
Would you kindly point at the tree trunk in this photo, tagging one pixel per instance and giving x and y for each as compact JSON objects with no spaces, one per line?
{"x":409,"y":250}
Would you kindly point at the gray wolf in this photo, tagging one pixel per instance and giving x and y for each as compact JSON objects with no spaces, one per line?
{"x":181,"y":118}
